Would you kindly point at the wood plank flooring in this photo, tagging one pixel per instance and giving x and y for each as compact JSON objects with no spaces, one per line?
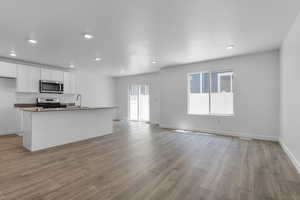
{"x":141,"y":162}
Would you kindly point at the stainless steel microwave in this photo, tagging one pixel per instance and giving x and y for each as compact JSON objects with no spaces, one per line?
{"x":55,"y":87}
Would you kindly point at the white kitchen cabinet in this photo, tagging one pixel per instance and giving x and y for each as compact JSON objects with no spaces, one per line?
{"x":28,"y":79}
{"x":7,"y":70}
{"x":69,"y":83}
{"x":52,"y":75}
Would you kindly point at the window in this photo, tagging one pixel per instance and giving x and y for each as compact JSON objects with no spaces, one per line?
{"x":210,"y":93}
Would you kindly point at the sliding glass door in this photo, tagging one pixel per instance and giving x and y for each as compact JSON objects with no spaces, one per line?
{"x":138,"y":97}
{"x":133,"y":97}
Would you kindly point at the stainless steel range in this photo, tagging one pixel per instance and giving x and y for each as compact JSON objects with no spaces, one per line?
{"x":49,"y":103}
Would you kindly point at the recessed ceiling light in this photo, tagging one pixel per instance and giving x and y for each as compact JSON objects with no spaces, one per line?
{"x":32,"y":41}
{"x":88,"y":36}
{"x":72,"y":66}
{"x":153,"y":62}
{"x":13,"y":53}
{"x":97,"y":59}
{"x":229,"y":47}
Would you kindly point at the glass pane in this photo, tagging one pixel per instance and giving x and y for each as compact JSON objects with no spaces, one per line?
{"x":222,"y":95}
{"x":133,"y":102}
{"x":199,"y":100}
{"x":214,"y":82}
{"x":195,"y":83}
{"x":199,"y":103}
{"x":144,"y":103}
{"x":225,"y":82}
{"x":139,"y":102}
{"x":205,"y":83}
{"x":142,"y":89}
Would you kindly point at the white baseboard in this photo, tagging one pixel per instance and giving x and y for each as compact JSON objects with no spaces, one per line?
{"x":155,"y":123}
{"x":231,"y":133}
{"x":290,"y":155}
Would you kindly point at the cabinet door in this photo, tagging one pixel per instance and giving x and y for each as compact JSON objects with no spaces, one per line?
{"x":58,"y":76}
{"x":52,"y":75}
{"x":7,"y":70}
{"x":28,"y":79}
{"x":46,"y":74}
{"x":69,"y":83}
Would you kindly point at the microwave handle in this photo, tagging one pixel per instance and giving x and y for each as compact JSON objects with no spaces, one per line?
{"x":40,"y":84}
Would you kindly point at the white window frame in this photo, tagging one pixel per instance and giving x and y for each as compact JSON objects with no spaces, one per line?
{"x":210,"y":72}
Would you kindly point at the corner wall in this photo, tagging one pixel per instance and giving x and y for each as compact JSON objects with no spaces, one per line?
{"x":8,"y":114}
{"x":256,"y":97}
{"x":96,"y":89}
{"x":290,"y":96}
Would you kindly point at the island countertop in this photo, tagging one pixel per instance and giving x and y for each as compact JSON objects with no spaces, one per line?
{"x":72,"y":108}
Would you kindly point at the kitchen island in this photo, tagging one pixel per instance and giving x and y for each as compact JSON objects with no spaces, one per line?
{"x":44,"y":128}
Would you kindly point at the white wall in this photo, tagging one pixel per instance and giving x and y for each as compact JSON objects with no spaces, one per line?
{"x":122,"y":85}
{"x":96,"y":89}
{"x":256,"y":98}
{"x":290,"y":96}
{"x":8,"y":115}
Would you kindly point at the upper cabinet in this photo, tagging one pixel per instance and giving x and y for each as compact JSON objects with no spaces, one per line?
{"x":28,"y":78}
{"x":69,"y":83}
{"x":7,"y":70}
{"x":52,"y":75}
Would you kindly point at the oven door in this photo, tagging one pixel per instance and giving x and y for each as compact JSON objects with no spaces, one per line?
{"x":51,"y":87}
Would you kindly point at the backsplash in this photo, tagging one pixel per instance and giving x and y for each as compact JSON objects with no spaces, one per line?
{"x":31,"y":97}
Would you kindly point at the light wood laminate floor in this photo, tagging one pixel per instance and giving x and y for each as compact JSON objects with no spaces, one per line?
{"x":141,"y":162}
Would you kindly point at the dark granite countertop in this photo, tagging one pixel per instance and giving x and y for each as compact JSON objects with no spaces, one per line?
{"x":71,"y":108}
